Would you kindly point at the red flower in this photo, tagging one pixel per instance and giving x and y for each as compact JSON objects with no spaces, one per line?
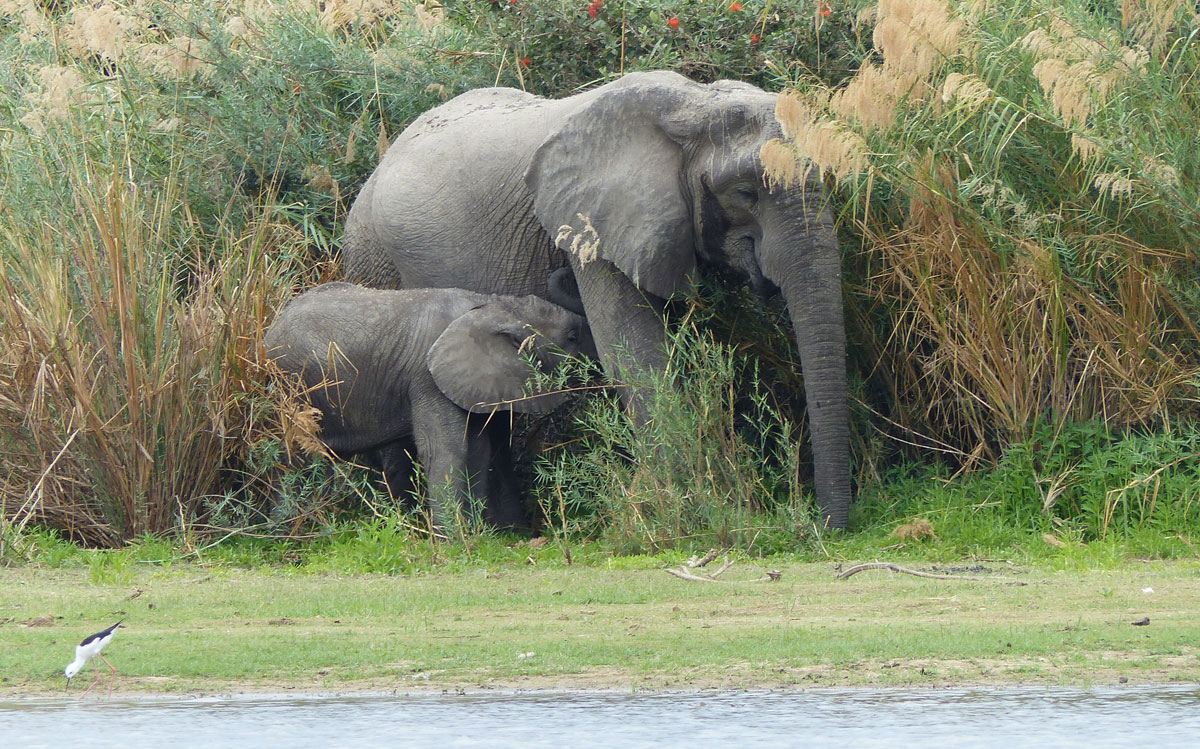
{"x":594,"y":9}
{"x":754,"y":38}
{"x":673,"y":22}
{"x":525,"y":62}
{"x":735,"y":7}
{"x":512,"y":2}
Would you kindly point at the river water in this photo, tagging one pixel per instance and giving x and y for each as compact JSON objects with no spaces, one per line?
{"x":1008,"y":718}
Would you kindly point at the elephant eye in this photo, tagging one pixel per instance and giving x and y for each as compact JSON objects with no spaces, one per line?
{"x":572,"y":336}
{"x":748,"y":194}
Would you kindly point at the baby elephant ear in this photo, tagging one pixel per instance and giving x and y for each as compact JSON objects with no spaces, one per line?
{"x":480,"y":362}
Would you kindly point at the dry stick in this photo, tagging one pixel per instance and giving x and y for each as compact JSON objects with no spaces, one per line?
{"x":28,"y":511}
{"x":727,"y":565}
{"x":683,"y":574}
{"x":896,"y":568}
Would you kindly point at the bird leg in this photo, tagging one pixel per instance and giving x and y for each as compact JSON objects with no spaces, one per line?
{"x":94,"y":683}
{"x":114,"y":673}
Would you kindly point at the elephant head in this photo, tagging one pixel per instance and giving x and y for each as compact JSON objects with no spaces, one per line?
{"x":486,"y":358}
{"x":655,"y":174}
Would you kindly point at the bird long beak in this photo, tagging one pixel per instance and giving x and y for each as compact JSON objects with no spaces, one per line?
{"x":67,"y":688}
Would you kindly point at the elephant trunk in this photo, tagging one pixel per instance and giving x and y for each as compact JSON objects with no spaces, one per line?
{"x":812,"y":288}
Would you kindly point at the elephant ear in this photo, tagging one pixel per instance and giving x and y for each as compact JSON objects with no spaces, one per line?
{"x":609,"y":184}
{"x":480,"y":363}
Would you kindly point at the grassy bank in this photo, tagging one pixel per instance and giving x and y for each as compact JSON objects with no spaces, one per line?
{"x":212,"y":629}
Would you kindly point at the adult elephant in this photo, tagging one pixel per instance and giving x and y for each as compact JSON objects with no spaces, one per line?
{"x":630,"y":185}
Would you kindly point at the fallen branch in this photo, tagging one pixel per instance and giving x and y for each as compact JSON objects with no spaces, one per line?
{"x":897,"y":568}
{"x":727,"y":565}
{"x":683,"y":574}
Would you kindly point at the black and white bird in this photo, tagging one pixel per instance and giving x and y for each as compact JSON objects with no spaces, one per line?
{"x":87,"y":650}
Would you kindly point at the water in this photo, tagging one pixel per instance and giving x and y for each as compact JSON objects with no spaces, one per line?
{"x":1008,"y":718}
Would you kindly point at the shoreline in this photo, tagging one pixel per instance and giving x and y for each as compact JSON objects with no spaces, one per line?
{"x":213,"y":631}
{"x":249,"y":692}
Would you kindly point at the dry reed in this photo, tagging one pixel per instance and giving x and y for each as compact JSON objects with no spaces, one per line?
{"x":121,"y":397}
{"x":1003,"y":308}
{"x":987,"y":341}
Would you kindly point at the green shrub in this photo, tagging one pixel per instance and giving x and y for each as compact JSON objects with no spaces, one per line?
{"x":555,"y":47}
{"x":1083,"y":484}
{"x":709,"y":468}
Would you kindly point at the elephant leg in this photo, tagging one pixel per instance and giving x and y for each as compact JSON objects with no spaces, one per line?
{"x":504,"y":507}
{"x":626,"y":323}
{"x":479,"y":461}
{"x":395,"y":462}
{"x":443,"y":447}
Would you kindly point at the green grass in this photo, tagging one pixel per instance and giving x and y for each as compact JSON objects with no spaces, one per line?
{"x":195,"y":628}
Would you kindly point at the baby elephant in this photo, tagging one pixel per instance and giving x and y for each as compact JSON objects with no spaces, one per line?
{"x":386,"y":368}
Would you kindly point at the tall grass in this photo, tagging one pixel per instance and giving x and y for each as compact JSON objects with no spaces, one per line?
{"x":1022,"y":184}
{"x":121,"y":397}
{"x":714,"y":464}
{"x":171,"y":173}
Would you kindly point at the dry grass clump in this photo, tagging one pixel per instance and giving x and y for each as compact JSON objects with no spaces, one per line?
{"x":137,"y":32}
{"x":813,"y":142}
{"x":61,"y":91}
{"x":987,"y":340}
{"x":103,"y":29}
{"x":1078,"y":74}
{"x":918,"y":530}
{"x":121,"y":398}
{"x":339,"y":15}
{"x":914,"y":37}
{"x":966,"y":89}
{"x":29,"y":15}
{"x":1153,"y":21}
{"x":177,"y":57}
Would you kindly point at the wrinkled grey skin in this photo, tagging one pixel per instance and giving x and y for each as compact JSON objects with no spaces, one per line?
{"x":405,"y":366}
{"x":487,"y":191}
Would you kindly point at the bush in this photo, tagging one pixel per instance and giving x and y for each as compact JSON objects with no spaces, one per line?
{"x":1019,"y":187}
{"x":710,"y":468}
{"x":1081,"y":484}
{"x":555,"y":47}
{"x":120,"y":401}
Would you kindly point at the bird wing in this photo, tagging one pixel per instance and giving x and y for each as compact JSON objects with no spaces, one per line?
{"x":100,"y":635}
